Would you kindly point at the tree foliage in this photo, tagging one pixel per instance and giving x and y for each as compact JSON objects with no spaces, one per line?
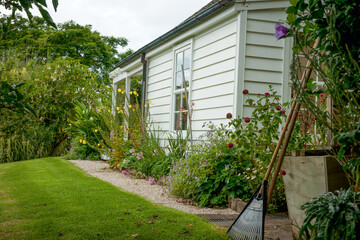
{"x":68,"y":40}
{"x":26,"y":5}
{"x":51,"y":88}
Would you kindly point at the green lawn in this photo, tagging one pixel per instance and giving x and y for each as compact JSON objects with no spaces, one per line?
{"x":50,"y":198}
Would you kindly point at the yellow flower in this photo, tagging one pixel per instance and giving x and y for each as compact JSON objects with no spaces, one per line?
{"x":130,"y":106}
{"x":84,"y":142}
{"x":145,"y":105}
{"x":123,"y":92}
{"x":156,"y":121}
{"x":99,"y":110}
{"x":98,"y":144}
{"x":117,"y":108}
{"x":121,"y":111}
{"x":80,"y":141}
{"x":96,"y":130}
{"x":150,"y":101}
{"x":109,"y":111}
{"x":131,"y":92}
{"x":135,"y":93}
{"x":119,"y":90}
{"x":124,"y":159}
{"x":169,"y":167}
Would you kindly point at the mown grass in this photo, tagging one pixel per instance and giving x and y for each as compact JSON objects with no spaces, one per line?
{"x":50,"y":198}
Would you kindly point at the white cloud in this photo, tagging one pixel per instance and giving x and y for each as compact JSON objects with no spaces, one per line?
{"x":140,"y":21}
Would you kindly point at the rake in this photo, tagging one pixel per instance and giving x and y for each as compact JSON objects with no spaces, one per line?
{"x":250,"y":223}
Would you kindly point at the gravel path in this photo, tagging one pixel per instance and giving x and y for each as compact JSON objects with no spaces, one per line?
{"x":155,"y":193}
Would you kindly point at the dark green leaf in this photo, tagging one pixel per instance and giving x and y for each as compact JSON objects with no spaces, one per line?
{"x":291,"y":18}
{"x":294,"y":2}
{"x":291,"y":9}
{"x":55,"y":4}
{"x":46,"y":15}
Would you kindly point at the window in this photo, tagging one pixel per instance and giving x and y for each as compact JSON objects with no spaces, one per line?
{"x":181,"y":88}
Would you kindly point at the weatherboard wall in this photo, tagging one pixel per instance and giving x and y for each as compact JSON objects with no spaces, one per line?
{"x":239,"y":53}
{"x":212,"y":78}
{"x":263,"y":60}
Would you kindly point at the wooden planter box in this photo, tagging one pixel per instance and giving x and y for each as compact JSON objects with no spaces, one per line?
{"x":308,"y":177}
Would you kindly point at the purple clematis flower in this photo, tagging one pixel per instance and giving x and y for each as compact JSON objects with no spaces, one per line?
{"x":280,"y":31}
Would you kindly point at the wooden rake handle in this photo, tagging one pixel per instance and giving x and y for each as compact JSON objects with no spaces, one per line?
{"x":287,"y":131}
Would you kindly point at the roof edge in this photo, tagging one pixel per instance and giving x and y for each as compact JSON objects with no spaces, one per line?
{"x":177,"y":30}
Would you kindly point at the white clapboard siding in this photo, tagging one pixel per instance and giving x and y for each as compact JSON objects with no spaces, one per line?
{"x":263,"y":76}
{"x":162,"y":58}
{"x":262,"y":88}
{"x":215,"y":102}
{"x":264,"y":51}
{"x":215,"y":52}
{"x":218,"y":79}
{"x":160,"y":101}
{"x":156,"y":86}
{"x":273,"y":65}
{"x":214,"y":47}
{"x":159,"y":94}
{"x":212,"y":91}
{"x":160,"y":77}
{"x":160,"y":109}
{"x":214,"y":64}
{"x":200,"y":124}
{"x":262,"y":40}
{"x":160,"y":68}
{"x":260,"y":26}
{"x":213,"y":69}
{"x":161,"y":118}
{"x":214,"y":35}
{"x":220,"y":56}
{"x":271,"y":15}
{"x":215,"y":113}
{"x":264,"y":55}
{"x":159,"y":82}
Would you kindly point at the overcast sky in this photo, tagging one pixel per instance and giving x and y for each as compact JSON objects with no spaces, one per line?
{"x":140,"y":21}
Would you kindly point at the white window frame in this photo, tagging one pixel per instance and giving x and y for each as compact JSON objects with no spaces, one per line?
{"x":177,"y":49}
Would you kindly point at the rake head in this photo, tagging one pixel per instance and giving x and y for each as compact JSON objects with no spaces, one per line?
{"x":249,"y":225}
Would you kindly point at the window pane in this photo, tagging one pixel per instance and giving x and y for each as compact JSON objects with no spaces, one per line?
{"x":177,"y":102}
{"x":177,"y":121}
{"x":187,"y":77}
{"x":179,"y":61}
{"x":183,"y":103}
{"x":179,"y":81}
{"x":187,"y":59}
{"x":183,"y":120}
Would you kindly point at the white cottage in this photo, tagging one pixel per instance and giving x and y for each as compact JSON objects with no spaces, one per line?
{"x":225,"y":47}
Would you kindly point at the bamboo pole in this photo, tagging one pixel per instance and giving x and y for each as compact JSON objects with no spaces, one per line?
{"x":291,"y":119}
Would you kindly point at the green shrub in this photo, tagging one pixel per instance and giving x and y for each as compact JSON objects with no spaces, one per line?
{"x":232,"y":160}
{"x":332,"y":216}
{"x":36,"y":142}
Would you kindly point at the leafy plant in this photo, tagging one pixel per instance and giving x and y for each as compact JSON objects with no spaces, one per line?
{"x":232,"y":160}
{"x":336,"y":59}
{"x":332,"y":216}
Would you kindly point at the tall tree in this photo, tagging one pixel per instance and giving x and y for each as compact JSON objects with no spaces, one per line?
{"x":68,"y":40}
{"x":10,"y":95}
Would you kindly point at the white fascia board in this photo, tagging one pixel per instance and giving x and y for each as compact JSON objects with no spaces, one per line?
{"x":243,"y":5}
{"x":187,"y":34}
{"x":121,"y":76}
{"x":132,"y":69}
